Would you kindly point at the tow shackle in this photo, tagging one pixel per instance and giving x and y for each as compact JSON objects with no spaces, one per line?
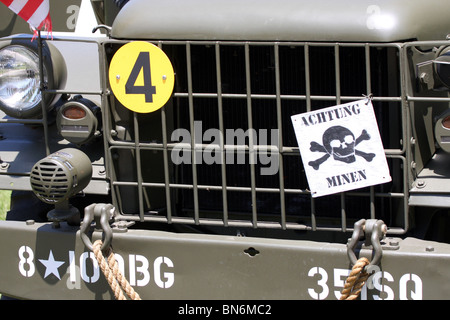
{"x":374,"y":231}
{"x":102,"y":214}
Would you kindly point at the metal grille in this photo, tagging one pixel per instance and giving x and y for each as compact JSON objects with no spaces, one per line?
{"x":255,"y":86}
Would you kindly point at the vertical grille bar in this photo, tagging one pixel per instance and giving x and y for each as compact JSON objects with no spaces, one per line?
{"x":368,"y":71}
{"x":137,"y":152}
{"x":337,"y":72}
{"x":280,"y":136}
{"x":369,"y":91}
{"x":166,"y":160}
{"x":222,"y":130}
{"x":337,"y":65}
{"x":193,"y":132}
{"x":343,"y":214}
{"x":250,"y":136}
{"x":308,"y":108}
{"x":166,"y":165}
{"x":307,"y":78}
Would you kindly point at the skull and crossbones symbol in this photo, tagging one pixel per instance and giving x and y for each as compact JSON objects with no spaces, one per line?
{"x":340,"y":143}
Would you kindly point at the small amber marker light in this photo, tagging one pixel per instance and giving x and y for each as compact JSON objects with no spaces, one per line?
{"x":446,"y":122}
{"x":75,"y":112}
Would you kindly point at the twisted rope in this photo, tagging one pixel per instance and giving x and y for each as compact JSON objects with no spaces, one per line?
{"x":110,"y":269}
{"x":355,"y":281}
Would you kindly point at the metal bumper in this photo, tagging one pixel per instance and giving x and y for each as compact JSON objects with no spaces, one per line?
{"x":39,"y":261}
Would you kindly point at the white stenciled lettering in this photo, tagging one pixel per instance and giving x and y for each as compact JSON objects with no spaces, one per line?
{"x":74,"y":279}
{"x":416,"y":294}
{"x":88,"y":270}
{"x":381,"y":286}
{"x":83,"y":266}
{"x":142,"y":269}
{"x":322,"y":282}
{"x":339,"y":280}
{"x":409,"y":285}
{"x":26,"y":256}
{"x":168,"y":277}
{"x":72,"y":272}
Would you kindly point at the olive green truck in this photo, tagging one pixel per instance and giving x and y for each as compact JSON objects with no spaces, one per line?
{"x":175,"y":134}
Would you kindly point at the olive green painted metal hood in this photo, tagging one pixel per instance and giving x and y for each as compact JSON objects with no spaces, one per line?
{"x":284,"y":20}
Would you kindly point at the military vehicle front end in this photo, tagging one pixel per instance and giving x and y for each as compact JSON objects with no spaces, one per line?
{"x":168,"y":134}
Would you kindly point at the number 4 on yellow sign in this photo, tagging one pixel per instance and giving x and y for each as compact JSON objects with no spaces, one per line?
{"x":141,"y":77}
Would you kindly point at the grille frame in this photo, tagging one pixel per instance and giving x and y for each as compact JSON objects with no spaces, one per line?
{"x":137,"y":146}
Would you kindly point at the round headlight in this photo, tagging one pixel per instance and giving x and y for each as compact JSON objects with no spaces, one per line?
{"x":19,"y":81}
{"x":20,"y":94}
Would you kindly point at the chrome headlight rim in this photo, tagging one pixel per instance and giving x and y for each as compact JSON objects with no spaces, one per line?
{"x":54,"y":74}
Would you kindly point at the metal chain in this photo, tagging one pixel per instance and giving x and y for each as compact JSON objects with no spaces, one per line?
{"x":110,"y":269}
{"x":355,"y":281}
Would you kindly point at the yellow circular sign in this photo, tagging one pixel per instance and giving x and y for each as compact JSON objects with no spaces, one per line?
{"x":141,"y":76}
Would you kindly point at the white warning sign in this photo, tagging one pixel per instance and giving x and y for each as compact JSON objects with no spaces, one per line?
{"x":341,"y":148}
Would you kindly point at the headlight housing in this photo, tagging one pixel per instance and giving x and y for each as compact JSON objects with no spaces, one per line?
{"x":20,"y":95}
